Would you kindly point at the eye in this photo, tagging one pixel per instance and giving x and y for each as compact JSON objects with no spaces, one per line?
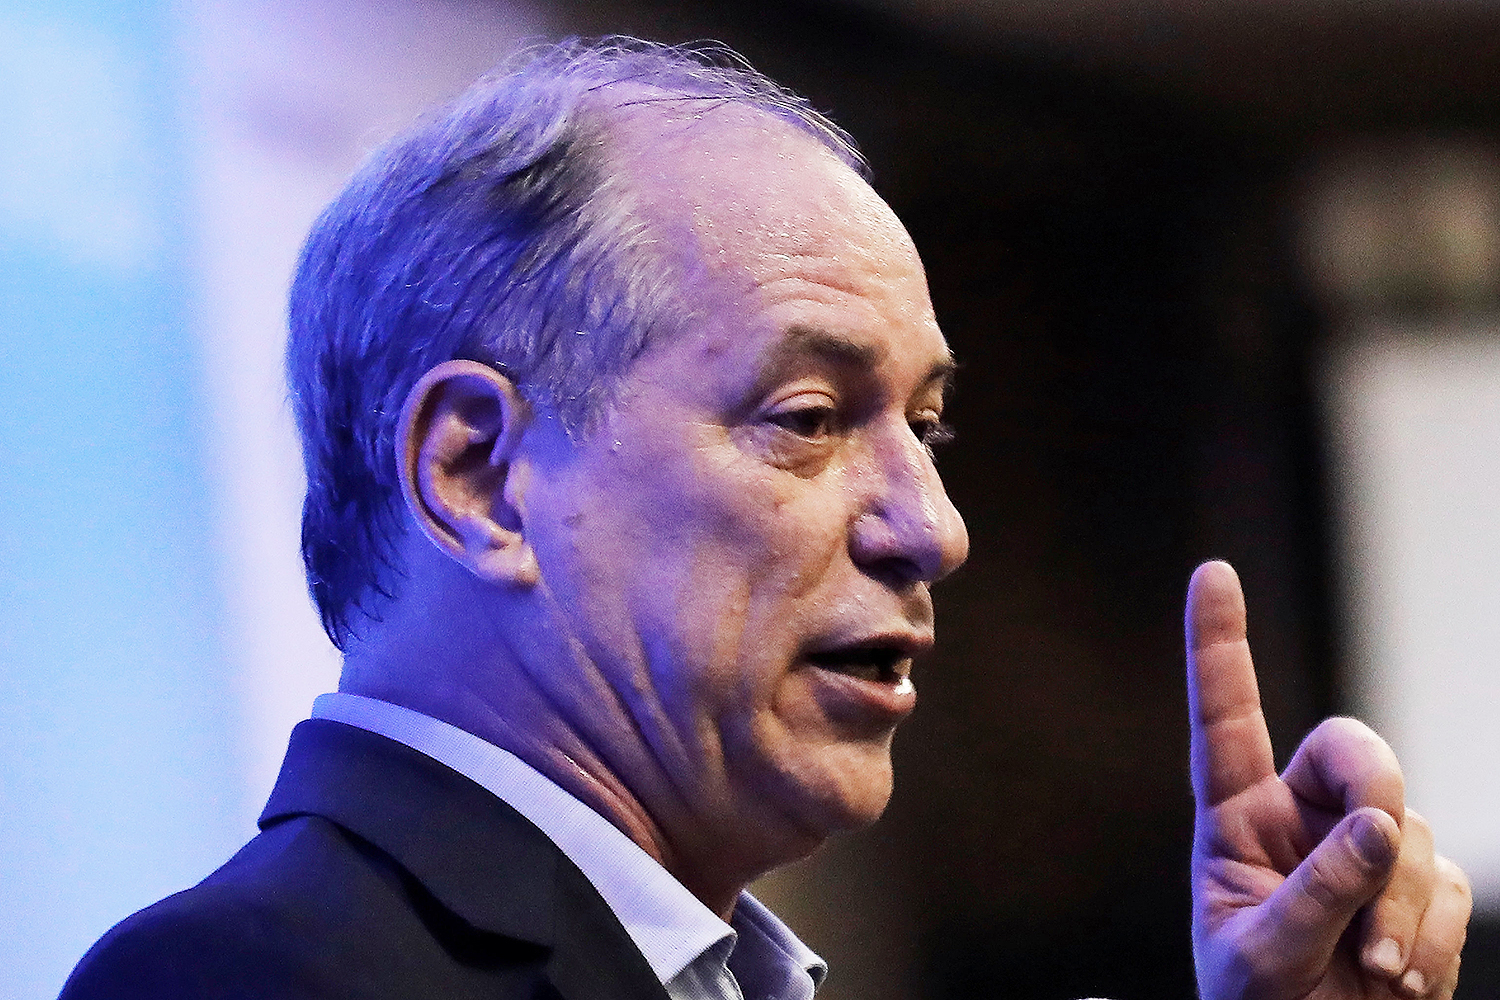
{"x":812,"y":420}
{"x":931,"y":431}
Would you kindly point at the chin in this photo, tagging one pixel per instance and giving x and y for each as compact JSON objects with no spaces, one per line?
{"x":848,"y":790}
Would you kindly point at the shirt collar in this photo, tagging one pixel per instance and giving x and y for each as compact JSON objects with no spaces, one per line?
{"x":768,"y":952}
{"x":668,"y":923}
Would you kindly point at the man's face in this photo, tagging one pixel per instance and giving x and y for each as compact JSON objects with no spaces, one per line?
{"x":741,"y":551}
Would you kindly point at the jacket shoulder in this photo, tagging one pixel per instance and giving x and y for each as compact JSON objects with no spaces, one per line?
{"x":304,"y":911}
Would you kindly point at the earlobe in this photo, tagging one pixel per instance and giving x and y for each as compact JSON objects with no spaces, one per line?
{"x":458,"y":435}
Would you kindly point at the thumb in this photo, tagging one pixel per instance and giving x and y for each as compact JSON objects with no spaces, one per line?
{"x":1309,"y":912}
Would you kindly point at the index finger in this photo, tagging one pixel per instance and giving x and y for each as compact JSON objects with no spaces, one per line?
{"x":1231,"y":747}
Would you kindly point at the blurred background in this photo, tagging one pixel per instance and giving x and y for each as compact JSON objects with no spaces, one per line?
{"x":1223,"y":278}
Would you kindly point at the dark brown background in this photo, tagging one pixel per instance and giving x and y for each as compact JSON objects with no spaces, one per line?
{"x":1105,"y":204}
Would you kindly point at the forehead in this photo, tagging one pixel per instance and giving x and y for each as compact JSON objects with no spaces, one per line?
{"x":735,"y":176}
{"x":761,"y":211}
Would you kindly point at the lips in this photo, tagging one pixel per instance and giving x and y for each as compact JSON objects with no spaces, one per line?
{"x":864,"y":681}
{"x":883,"y":663}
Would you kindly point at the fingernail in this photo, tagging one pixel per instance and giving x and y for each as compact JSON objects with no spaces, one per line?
{"x":1385,"y":956}
{"x":1414,"y":982}
{"x":1370,"y":842}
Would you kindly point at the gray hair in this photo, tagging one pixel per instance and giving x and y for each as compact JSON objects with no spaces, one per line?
{"x":492,"y":231}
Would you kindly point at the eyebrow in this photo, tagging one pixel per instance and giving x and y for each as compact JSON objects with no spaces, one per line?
{"x":942,"y":372}
{"x":801,"y":342}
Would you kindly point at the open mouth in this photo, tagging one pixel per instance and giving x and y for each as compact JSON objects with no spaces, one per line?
{"x":885,"y":664}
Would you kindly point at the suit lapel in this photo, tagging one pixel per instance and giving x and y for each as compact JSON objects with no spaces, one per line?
{"x":477,"y":856}
{"x":593,"y":958}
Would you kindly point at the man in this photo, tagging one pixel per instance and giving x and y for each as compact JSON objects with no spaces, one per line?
{"x":618,"y":387}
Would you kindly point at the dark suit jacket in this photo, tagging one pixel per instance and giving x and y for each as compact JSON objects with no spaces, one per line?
{"x":379,"y":874}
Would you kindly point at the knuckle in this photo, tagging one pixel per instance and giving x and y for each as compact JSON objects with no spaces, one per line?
{"x":1454,"y":878}
{"x":1416,"y":866}
{"x":1343,"y":738}
{"x":1341,"y":730}
{"x":1345,"y":728}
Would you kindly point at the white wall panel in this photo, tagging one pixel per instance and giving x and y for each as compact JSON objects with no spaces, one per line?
{"x":1415,"y":419}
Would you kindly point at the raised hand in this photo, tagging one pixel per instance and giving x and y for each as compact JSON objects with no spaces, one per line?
{"x":1316,"y":884}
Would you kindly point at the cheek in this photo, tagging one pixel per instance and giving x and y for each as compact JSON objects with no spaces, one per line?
{"x":719,"y":562}
{"x":683,"y":546}
{"x":713,"y":514}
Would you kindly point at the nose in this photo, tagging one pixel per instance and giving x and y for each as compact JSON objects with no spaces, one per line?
{"x":906,"y":529}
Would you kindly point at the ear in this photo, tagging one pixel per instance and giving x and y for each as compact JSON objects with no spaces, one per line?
{"x":459,"y":431}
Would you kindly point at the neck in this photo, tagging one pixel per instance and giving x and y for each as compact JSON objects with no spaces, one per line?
{"x":558,"y":754}
{"x":517,"y":684}
{"x":511,"y":711}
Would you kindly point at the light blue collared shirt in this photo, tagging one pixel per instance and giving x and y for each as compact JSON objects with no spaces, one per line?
{"x":696,"y":955}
